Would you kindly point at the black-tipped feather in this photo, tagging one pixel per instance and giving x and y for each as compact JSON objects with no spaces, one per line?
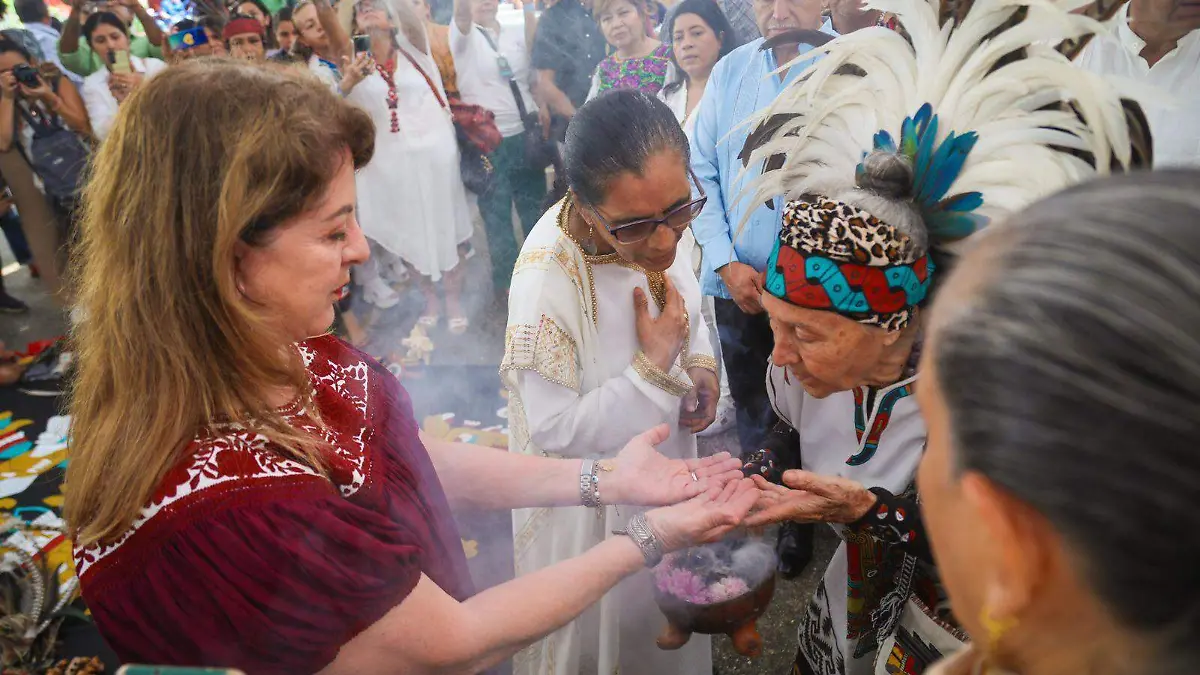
{"x":1101,"y":10}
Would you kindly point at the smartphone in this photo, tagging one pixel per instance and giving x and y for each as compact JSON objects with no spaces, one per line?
{"x":362,"y":44}
{"x":118,"y":62}
{"x":175,"y":670}
{"x":192,"y":37}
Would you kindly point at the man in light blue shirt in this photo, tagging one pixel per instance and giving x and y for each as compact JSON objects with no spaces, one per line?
{"x":741,"y":84}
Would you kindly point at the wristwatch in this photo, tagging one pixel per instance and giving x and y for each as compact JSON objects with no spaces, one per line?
{"x":639,"y":531}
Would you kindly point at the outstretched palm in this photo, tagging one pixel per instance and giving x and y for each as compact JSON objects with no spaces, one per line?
{"x":642,"y":476}
{"x":810,"y":498}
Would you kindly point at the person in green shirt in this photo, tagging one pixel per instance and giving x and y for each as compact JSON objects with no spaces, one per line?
{"x":79,"y":58}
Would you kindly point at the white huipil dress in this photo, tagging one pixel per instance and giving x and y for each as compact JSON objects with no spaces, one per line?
{"x":411,"y":199}
{"x":830,"y":446}
{"x":573,"y":392}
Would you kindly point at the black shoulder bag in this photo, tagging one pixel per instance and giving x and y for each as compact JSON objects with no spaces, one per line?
{"x":539,"y":152}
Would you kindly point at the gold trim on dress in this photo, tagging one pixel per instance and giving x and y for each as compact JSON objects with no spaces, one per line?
{"x":546,"y":349}
{"x":538,"y":258}
{"x":700,"y":361}
{"x":651,"y":373}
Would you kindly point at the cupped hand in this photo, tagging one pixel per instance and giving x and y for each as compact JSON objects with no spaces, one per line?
{"x":745,"y":285}
{"x":698,"y":409}
{"x":640,"y":475}
{"x":704,"y":518}
{"x":661,"y":339}
{"x":810,"y":498}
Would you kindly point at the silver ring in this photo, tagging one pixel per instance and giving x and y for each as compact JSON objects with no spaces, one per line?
{"x":695,"y":479}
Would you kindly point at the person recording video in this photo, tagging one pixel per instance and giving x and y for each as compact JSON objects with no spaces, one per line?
{"x":105,"y":90}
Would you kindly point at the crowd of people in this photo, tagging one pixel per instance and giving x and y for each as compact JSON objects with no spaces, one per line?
{"x":883,"y":249}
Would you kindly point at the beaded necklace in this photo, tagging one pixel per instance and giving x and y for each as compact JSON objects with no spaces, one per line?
{"x":388,"y":71}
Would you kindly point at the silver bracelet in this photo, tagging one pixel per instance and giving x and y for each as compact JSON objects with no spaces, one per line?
{"x":589,"y":493}
{"x":639,"y":531}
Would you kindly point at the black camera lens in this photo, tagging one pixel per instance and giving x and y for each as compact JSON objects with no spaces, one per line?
{"x":26,"y":75}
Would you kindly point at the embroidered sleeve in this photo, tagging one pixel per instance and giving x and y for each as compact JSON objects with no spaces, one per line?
{"x":777,"y":454}
{"x":896,"y":520}
{"x":544,"y":348}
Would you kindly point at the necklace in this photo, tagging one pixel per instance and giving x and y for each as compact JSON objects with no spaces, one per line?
{"x":387,"y":71}
{"x":657,"y":281}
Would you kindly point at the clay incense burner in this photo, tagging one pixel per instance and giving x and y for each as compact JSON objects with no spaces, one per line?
{"x":716,"y":588}
{"x":736,"y":618}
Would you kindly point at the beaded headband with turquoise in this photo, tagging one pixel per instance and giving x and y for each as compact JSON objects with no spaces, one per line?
{"x":834,"y":256}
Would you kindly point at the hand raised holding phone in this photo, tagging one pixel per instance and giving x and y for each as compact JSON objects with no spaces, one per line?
{"x":356,"y":71}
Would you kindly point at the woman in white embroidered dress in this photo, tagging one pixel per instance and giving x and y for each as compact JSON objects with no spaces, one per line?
{"x":604,"y":340}
{"x":411,"y":199}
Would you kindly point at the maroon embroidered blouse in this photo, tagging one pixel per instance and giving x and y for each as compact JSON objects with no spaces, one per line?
{"x":246,"y":559}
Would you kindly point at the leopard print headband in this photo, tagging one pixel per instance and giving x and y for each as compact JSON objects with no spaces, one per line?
{"x":836,"y":257}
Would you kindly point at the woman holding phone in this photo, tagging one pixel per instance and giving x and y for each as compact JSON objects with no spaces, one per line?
{"x":411,"y":199}
{"x":105,"y":90}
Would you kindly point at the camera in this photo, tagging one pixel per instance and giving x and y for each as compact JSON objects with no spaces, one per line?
{"x":27,"y":75}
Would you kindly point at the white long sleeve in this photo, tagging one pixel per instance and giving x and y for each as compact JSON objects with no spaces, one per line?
{"x":101,"y":106}
{"x":597,"y":423}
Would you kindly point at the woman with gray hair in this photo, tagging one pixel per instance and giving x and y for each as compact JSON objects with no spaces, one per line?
{"x":1060,"y":480}
{"x":880,"y":187}
{"x":411,"y":199}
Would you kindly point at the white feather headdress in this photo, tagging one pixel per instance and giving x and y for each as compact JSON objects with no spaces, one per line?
{"x":981,"y":98}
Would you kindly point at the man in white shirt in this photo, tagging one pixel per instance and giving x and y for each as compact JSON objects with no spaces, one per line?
{"x":493,"y":69}
{"x":1158,"y":42}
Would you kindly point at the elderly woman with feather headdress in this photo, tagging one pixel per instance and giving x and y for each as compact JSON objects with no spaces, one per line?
{"x":891,"y":149}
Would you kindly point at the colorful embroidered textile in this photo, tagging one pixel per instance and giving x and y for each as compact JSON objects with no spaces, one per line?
{"x":647,"y":73}
{"x":836,"y":257}
{"x":244,"y":558}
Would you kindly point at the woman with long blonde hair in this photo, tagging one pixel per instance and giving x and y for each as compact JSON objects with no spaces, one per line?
{"x":245,"y":494}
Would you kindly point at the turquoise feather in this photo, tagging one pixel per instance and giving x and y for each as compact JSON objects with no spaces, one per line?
{"x":923,"y":164}
{"x":952,"y":225}
{"x":964,"y":201}
{"x":884,"y":142}
{"x":946,"y":165}
{"x":935,"y":168}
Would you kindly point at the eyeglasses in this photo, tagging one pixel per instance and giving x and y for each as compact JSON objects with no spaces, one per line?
{"x":676,"y":219}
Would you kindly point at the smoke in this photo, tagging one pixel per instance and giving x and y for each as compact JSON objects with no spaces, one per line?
{"x":718,"y":572}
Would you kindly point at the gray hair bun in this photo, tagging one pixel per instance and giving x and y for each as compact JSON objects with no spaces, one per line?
{"x":887,"y":174}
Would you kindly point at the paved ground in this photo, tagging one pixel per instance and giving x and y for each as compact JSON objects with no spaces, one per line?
{"x":44,"y":320}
